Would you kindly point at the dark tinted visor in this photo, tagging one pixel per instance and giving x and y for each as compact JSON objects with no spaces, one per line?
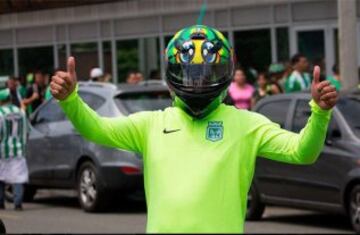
{"x":199,"y":75}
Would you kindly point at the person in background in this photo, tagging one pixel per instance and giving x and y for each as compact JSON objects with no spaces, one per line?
{"x":96,"y":74}
{"x":139,"y":77}
{"x":299,"y":79}
{"x":15,"y":97}
{"x":240,"y":91}
{"x":287,"y":72}
{"x":277,"y":78}
{"x":251,"y":75}
{"x":36,"y":92}
{"x":134,"y":77}
{"x":264,"y":88}
{"x":22,"y":87}
{"x":48,"y":94}
{"x":106,"y":78}
{"x":131,"y":77}
{"x":29,"y":79}
{"x":13,"y":135}
{"x":335,"y":79}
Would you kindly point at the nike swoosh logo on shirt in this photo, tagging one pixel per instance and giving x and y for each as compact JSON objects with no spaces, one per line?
{"x":170,"y":131}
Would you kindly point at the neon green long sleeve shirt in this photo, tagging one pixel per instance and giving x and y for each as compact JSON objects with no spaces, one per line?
{"x":197,"y":173}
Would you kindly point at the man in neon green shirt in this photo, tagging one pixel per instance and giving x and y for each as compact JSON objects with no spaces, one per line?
{"x":199,"y":155}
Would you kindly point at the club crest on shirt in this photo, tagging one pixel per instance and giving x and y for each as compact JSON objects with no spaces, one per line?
{"x":214,"y":131}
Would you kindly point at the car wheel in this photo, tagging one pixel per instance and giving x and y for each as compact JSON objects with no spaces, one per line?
{"x":255,"y":208}
{"x":2,"y":227}
{"x":29,"y":193}
{"x":92,"y":196}
{"x":354,"y":208}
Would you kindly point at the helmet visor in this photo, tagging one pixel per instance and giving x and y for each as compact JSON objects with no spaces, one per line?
{"x":199,"y":78}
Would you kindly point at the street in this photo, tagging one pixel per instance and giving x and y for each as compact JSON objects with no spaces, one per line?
{"x":59,"y":212}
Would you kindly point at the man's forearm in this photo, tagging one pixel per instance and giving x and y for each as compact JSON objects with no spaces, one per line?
{"x":31,"y":99}
{"x":313,"y":135}
{"x":85,"y":120}
{"x":303,"y":148}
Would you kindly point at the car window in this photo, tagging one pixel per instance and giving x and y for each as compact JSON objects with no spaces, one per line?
{"x":50,"y":112}
{"x":301,"y":115}
{"x":143,"y":101}
{"x":276,"y":111}
{"x":94,"y":101}
{"x":350,"y":109}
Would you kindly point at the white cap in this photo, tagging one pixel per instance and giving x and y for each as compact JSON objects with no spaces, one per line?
{"x":96,"y":72}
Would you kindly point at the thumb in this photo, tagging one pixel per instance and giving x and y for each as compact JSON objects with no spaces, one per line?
{"x":316,"y":74}
{"x":71,"y":67}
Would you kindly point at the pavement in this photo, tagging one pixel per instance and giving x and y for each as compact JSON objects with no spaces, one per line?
{"x":58,"y":211}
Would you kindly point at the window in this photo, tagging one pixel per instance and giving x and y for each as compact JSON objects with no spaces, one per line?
{"x":149,"y":60}
{"x":301,"y":115}
{"x":61,"y":48}
{"x":107,"y":57}
{"x":312,"y":45}
{"x":127,"y":57}
{"x":50,"y":112}
{"x":350,"y":109}
{"x":253,"y":48}
{"x":136,"y":102}
{"x":336,"y":45}
{"x":87,"y":53}
{"x":94,"y":101}
{"x":276,"y":111}
{"x":35,"y":58}
{"x":6,"y":62}
{"x":282,"y":44}
{"x":138,"y":55}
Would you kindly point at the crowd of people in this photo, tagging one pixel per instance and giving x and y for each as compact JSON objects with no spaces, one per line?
{"x":279,"y":78}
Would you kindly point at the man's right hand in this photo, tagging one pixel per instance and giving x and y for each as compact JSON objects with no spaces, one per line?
{"x":64,"y":83}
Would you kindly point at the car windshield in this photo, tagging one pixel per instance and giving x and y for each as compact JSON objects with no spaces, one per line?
{"x":144,"y":101}
{"x":350,"y":109}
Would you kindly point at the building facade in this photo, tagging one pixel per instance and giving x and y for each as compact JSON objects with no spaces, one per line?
{"x":127,"y":35}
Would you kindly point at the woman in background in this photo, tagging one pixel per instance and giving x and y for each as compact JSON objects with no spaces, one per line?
{"x":240,"y":91}
{"x":264,"y":88}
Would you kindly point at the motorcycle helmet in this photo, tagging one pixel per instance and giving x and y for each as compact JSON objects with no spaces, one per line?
{"x":199,"y":69}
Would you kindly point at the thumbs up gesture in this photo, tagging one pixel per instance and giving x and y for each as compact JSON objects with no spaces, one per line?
{"x":323,"y":93}
{"x":64,"y":83}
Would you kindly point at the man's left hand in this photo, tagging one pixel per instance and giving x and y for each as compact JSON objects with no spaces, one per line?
{"x":323,"y":93}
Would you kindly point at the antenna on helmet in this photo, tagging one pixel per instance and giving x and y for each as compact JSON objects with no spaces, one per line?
{"x":202,"y":13}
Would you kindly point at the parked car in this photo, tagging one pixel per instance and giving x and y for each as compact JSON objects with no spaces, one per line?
{"x":58,"y":157}
{"x":332,"y":184}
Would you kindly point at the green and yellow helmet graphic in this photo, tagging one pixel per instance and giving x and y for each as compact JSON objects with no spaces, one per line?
{"x":198,"y":44}
{"x":199,"y":68}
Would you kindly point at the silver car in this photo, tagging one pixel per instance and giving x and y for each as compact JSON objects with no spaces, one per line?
{"x":58,"y":157}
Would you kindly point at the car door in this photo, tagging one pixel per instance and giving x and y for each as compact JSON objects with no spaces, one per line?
{"x":269,"y":173}
{"x":321,"y":181}
{"x":39,"y":149}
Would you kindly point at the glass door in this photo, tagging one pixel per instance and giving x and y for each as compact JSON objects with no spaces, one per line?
{"x":317,"y":44}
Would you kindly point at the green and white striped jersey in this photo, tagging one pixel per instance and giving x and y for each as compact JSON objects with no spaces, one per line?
{"x":13,"y":132}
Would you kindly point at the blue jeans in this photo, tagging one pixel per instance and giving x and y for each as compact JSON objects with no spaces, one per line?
{"x":18,"y":190}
